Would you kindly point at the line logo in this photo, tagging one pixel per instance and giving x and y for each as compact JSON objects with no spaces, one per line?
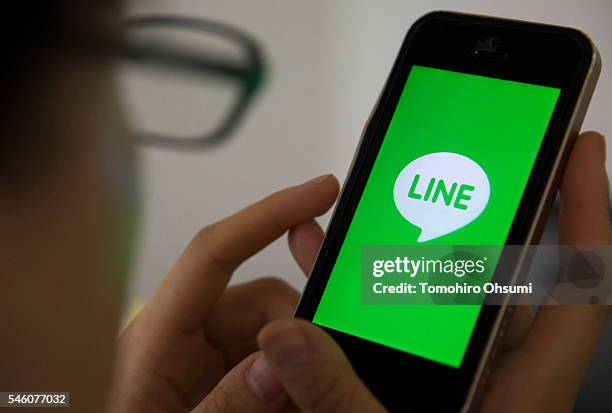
{"x":440,"y":193}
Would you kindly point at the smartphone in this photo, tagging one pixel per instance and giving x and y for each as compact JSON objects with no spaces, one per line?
{"x":505,"y":95}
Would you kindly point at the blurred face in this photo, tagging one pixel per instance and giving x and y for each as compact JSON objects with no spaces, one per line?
{"x":65,"y":221}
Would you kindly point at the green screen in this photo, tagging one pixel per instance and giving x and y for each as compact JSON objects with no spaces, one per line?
{"x":496,"y":123}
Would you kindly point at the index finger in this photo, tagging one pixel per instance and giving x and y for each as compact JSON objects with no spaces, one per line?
{"x":201,"y":274}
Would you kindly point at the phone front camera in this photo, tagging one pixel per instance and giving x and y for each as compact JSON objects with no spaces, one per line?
{"x":494,"y":42}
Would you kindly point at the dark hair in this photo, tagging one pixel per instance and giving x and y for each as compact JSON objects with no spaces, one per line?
{"x":29,"y":27}
{"x":29,"y":31}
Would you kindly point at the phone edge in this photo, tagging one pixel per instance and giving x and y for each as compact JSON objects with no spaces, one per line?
{"x":474,"y":392}
{"x":572,"y":131}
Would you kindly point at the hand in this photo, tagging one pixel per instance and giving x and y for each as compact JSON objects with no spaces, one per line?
{"x":189,"y":347}
{"x":544,"y":358}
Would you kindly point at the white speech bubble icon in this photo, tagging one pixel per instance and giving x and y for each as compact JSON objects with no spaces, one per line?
{"x":440,"y":193}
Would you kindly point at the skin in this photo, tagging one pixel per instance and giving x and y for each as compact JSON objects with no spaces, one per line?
{"x":544,"y":357}
{"x":187,"y":348}
{"x":61,"y":294}
{"x":194,"y":331}
{"x":198,"y":344}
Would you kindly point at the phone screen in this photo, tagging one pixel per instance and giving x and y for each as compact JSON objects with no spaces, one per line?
{"x":451,"y":170}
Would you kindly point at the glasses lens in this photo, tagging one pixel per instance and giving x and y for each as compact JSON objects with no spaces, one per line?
{"x":189,"y":92}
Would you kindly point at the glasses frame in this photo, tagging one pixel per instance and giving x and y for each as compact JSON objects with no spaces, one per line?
{"x":250,"y":74}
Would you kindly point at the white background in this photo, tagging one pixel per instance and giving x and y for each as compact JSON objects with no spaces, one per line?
{"x":328,"y":62}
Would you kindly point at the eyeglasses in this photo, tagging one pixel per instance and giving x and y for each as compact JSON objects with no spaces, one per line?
{"x":187,"y":83}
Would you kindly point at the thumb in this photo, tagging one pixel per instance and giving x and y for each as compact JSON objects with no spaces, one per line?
{"x":237,"y":392}
{"x":313,"y":369}
{"x":585,"y":199}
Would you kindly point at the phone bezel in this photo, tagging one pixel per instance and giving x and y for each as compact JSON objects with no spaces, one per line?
{"x":539,"y":54}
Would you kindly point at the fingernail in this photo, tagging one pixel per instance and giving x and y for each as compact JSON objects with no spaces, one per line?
{"x":602,"y":143}
{"x":262,"y":381}
{"x":318,"y":179}
{"x":284,"y":345}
